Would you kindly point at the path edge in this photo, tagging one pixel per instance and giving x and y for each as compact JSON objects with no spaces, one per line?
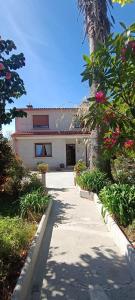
{"x":22,"y":286}
{"x":119,"y":238}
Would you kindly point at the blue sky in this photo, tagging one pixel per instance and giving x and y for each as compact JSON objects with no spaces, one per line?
{"x":50,"y":34}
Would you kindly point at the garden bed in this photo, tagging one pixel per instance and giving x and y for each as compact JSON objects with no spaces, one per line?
{"x":19,"y":218}
{"x":129,"y":233}
{"x":15,"y":238}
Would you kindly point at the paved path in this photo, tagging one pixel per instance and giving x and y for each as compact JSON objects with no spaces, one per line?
{"x":60,"y":180}
{"x":83,"y":262}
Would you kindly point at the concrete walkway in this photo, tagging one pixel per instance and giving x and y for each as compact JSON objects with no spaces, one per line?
{"x":78,"y":259}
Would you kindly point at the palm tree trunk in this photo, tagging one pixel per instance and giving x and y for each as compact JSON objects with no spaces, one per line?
{"x":97,"y":29}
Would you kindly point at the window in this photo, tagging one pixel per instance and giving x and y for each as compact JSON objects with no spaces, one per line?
{"x":77,"y":123}
{"x":40,"y":121}
{"x":43,"y":150}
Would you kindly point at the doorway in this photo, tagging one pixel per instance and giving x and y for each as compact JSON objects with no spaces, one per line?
{"x":70,"y":154}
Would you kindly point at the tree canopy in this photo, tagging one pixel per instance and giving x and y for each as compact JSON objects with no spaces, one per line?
{"x":11,"y":85}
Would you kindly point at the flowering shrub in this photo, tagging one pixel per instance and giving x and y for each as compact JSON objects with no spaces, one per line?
{"x":112,"y":109}
{"x":30,"y":184}
{"x":100,"y":97}
{"x":129,"y":144}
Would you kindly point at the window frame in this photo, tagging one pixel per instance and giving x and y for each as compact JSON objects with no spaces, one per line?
{"x":42,"y":145}
{"x":77,"y":123}
{"x":40,"y":126}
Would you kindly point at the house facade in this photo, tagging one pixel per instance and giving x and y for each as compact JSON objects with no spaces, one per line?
{"x":51,"y":135}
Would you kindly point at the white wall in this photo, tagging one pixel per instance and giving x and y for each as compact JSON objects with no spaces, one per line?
{"x":25,"y":148}
{"x":58,"y":120}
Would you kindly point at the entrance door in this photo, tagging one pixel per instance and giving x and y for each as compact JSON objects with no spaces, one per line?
{"x":70,"y":154}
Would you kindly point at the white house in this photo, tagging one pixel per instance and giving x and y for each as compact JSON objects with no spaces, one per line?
{"x":51,"y":135}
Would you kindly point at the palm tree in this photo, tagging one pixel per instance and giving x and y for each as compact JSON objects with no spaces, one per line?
{"x":97,"y":28}
{"x":96,"y":20}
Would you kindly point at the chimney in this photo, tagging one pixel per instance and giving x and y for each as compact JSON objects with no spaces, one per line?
{"x":29,"y":106}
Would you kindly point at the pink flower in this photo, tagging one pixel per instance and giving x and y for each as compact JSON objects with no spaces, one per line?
{"x":116,"y":133}
{"x":131,"y":44}
{"x":100,"y":97}
{"x":1,"y":66}
{"x":109,"y":142}
{"x":129,"y":144}
{"x":8,"y":75}
{"x":123,"y":53}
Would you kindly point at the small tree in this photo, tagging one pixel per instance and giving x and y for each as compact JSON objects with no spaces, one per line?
{"x":11,"y":85}
{"x":113,"y":106}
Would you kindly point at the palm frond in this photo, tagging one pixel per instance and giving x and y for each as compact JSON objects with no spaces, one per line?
{"x":97,"y":23}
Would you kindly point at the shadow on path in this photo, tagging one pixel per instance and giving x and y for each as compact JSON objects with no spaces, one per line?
{"x":57,"y":216}
{"x":74,"y":281}
{"x":60,"y":279}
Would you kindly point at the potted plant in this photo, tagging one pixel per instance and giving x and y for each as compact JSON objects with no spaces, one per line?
{"x":43,"y":168}
{"x":79,"y":167}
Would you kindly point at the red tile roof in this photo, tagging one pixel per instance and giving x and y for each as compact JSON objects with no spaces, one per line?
{"x":47,"y":108}
{"x":32,"y":133}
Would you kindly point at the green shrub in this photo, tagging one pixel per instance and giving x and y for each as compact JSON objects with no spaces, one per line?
{"x":34,"y":203}
{"x":15,"y":235}
{"x":79,"y":167}
{"x":92,"y":181}
{"x":12,"y":171}
{"x":123,"y":170}
{"x":119,"y":199}
{"x":43,"y":168}
{"x":32,"y":183}
{"x":6,"y":156}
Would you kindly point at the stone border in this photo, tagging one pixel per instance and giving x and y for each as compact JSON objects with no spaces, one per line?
{"x":126,"y":248}
{"x":21,"y":289}
{"x":85,"y":194}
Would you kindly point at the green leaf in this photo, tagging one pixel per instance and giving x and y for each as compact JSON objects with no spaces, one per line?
{"x":86,"y":59}
{"x":123,"y":25}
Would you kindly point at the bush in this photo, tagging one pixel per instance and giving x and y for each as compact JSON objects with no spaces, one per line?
{"x":15,"y":235}
{"x":92,"y":181}
{"x":12,"y":170}
{"x":123,"y":170}
{"x":6,"y":156}
{"x":32,"y":183}
{"x":43,"y":168}
{"x":79,"y":167}
{"x":119,"y":199}
{"x":34,"y":203}
{"x":14,"y":177}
